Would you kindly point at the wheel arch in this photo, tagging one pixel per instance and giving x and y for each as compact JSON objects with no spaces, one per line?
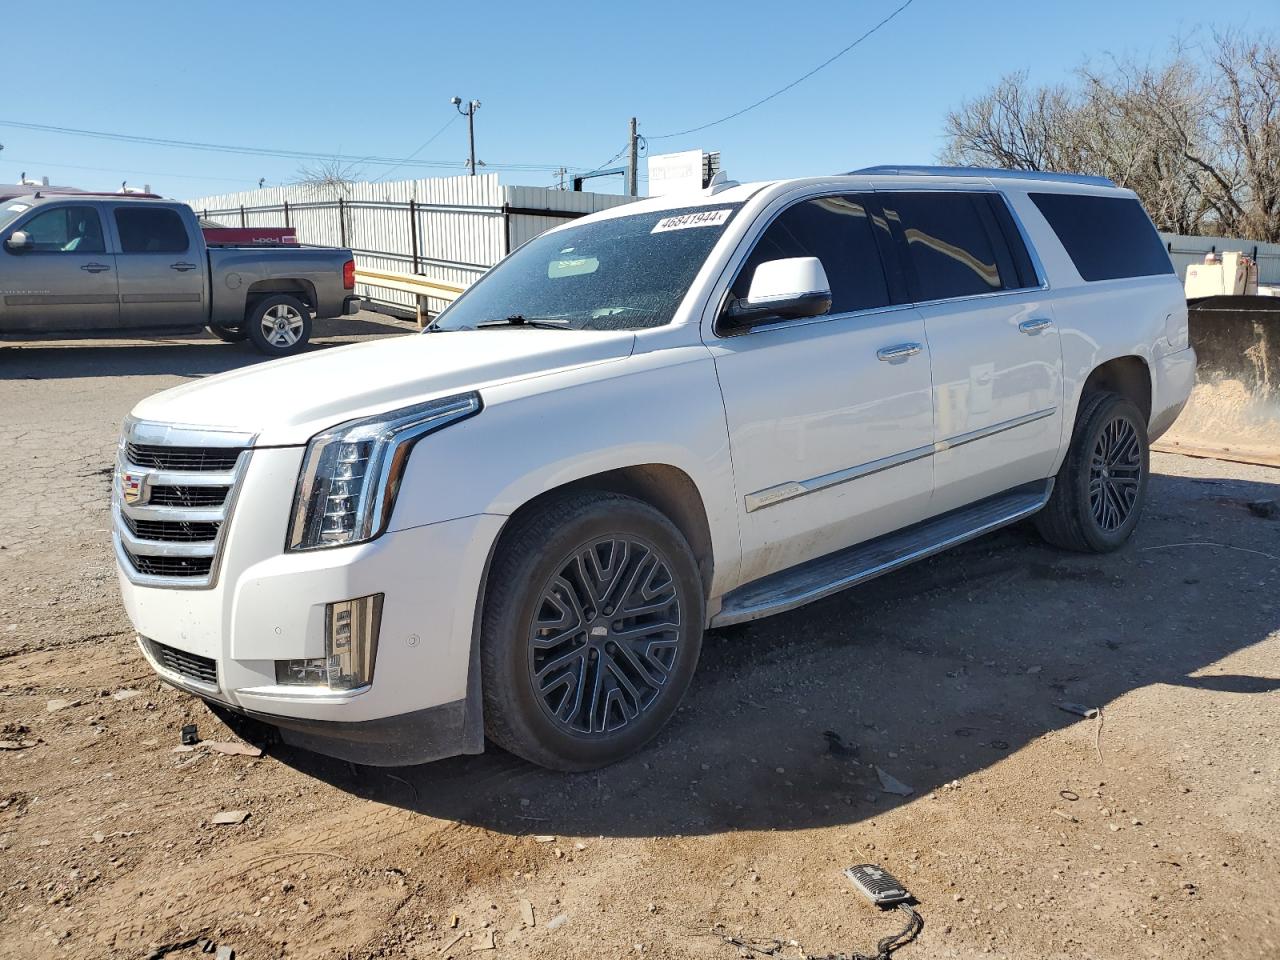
{"x":304,"y":290}
{"x":666,"y":488}
{"x":1129,"y":376}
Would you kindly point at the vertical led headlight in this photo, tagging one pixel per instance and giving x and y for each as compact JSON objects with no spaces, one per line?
{"x":351,"y":473}
{"x":350,"y":646}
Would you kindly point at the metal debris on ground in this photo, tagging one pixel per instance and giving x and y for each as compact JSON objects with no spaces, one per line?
{"x":891,"y":784}
{"x":190,"y":736}
{"x":1087,"y":712}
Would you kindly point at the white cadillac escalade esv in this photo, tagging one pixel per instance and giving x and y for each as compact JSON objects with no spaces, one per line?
{"x":682,"y":413}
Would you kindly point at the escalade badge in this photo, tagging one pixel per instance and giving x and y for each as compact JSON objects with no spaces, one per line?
{"x":133,"y":487}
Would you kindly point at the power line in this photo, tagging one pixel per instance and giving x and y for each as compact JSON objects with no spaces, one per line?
{"x":793,"y":83}
{"x":58,"y":165}
{"x":265,"y":151}
{"x":447,"y":124}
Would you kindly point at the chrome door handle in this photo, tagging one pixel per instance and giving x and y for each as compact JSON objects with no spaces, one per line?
{"x":182,"y":267}
{"x":899,"y":351}
{"x":1032,"y":327}
{"x":94,"y":267}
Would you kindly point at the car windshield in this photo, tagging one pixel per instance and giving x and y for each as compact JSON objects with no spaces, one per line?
{"x":623,"y":273}
{"x":10,"y":211}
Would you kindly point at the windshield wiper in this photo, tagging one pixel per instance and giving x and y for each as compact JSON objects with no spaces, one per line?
{"x":520,"y":320}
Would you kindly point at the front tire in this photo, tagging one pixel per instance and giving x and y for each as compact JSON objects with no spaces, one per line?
{"x":279,"y":325}
{"x":591,"y":630}
{"x":1102,"y":485}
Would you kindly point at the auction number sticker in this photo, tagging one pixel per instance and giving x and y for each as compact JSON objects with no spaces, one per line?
{"x":687,"y":221}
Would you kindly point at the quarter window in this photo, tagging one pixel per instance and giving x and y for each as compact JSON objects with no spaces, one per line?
{"x":153,"y":230}
{"x":1106,"y":237}
{"x":954,"y":243}
{"x":66,"y":230}
{"x":836,"y":230}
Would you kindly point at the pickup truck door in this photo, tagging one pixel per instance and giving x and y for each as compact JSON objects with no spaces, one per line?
{"x":997,"y":356}
{"x":830,"y":419}
{"x":65,"y":281}
{"x":161,"y":268}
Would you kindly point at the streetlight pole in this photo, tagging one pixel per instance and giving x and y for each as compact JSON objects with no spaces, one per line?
{"x":470,"y":114}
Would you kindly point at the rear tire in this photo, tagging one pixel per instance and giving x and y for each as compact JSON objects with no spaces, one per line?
{"x":279,"y":325}
{"x":591,"y":631}
{"x":1099,"y":492}
{"x":228,"y":334}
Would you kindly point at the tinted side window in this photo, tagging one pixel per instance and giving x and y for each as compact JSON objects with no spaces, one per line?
{"x":66,"y":230}
{"x":1106,"y":237}
{"x":951,"y":247}
{"x":1013,"y":239}
{"x":150,"y":231}
{"x":836,"y":230}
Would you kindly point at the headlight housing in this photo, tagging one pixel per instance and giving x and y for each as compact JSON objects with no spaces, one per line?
{"x":351,"y":473}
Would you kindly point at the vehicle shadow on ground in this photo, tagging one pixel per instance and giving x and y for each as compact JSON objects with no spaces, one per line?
{"x":930,"y":674}
{"x":188,"y":356}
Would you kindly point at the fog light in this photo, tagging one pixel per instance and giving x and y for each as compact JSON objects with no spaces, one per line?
{"x":350,"y":643}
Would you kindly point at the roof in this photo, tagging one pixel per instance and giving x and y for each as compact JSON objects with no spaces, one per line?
{"x":993,"y":173}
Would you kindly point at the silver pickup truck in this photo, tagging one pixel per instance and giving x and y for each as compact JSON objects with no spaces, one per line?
{"x":78,"y":265}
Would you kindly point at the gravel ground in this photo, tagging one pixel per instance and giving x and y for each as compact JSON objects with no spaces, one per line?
{"x":1149,"y":831}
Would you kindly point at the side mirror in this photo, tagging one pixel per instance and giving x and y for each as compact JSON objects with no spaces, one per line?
{"x":19,"y":241}
{"x":788,"y":289}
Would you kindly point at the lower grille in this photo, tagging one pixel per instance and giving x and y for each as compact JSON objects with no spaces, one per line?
{"x":171,"y":566}
{"x":189,"y":665}
{"x":172,"y":531}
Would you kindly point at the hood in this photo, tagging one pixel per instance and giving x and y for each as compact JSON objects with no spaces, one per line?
{"x":288,"y":401}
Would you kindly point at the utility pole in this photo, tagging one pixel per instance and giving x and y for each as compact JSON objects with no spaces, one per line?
{"x":633,"y":158}
{"x":470,"y":114}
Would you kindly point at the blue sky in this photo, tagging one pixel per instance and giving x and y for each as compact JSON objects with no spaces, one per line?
{"x":557,"y":81}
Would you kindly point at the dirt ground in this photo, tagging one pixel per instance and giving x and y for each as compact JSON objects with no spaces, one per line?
{"x":1030,"y":832}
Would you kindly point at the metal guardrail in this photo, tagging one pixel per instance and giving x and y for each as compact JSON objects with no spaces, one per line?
{"x":421,"y":287}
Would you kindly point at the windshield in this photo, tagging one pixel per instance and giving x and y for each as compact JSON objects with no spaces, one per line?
{"x":10,"y":211}
{"x":624,"y":273}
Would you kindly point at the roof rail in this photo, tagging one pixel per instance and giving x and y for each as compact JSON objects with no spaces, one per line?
{"x":993,"y":172}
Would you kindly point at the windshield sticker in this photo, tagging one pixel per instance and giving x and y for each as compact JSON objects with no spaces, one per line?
{"x":686,"y":221}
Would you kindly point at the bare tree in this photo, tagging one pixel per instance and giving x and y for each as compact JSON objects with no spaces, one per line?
{"x":331,"y":179}
{"x":1197,"y":138}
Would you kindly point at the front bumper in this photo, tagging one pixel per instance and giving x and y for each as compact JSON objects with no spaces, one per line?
{"x":268,"y":605}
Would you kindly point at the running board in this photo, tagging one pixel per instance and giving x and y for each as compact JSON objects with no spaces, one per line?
{"x":807,"y":582}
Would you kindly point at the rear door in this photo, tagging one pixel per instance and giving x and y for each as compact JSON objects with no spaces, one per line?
{"x":161,"y":269}
{"x":66,"y":281}
{"x":997,"y":356}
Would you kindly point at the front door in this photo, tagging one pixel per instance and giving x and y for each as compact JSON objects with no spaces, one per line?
{"x":830,"y":419}
{"x":997,"y":356}
{"x":65,"y":281}
{"x":162,"y":274}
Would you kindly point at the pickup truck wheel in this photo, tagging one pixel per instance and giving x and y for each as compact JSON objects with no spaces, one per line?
{"x":592,"y":627}
{"x":228,"y":334}
{"x":279,"y":325}
{"x":1100,"y":490}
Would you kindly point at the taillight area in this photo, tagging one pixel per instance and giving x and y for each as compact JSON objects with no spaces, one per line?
{"x":349,"y":275}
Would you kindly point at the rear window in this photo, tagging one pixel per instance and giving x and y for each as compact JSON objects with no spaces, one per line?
{"x":1106,"y":237}
{"x":150,"y":230}
{"x":956,"y":245}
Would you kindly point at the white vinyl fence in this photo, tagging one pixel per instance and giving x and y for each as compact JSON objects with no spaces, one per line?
{"x":446,"y":228}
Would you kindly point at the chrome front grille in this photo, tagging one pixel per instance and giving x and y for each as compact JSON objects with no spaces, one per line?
{"x":172,"y":496}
